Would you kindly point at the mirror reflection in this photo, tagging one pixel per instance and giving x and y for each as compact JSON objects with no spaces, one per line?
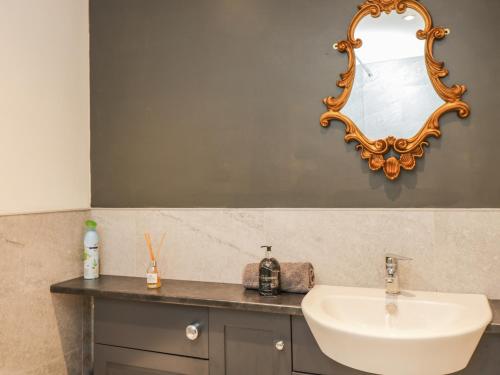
{"x":392,"y":94}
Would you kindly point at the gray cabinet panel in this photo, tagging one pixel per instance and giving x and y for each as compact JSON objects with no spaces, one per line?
{"x":150,"y":326}
{"x":243,"y":343}
{"x":486,"y":358}
{"x":110,"y":360}
{"x":307,"y":356}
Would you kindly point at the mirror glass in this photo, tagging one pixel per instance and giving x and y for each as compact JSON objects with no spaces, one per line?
{"x":392,"y":94}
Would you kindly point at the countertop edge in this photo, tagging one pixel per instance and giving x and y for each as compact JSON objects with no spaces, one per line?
{"x":266,"y":306}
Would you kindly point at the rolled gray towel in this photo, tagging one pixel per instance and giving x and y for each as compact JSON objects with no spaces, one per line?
{"x":295,"y":277}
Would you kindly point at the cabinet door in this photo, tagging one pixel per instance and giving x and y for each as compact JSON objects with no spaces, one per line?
{"x":307,"y":356}
{"x":247,"y":343}
{"x":112,"y":360}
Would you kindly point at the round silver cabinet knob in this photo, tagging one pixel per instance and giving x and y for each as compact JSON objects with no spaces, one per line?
{"x":279,"y":345}
{"x":193,"y":331}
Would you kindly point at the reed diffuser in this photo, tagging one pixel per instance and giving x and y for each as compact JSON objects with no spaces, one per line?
{"x":153,"y":279}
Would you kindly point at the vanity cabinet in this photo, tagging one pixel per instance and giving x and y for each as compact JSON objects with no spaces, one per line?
{"x":138,"y":338}
{"x":249,"y":343}
{"x":141,"y":338}
{"x":199,"y":328}
{"x":144,"y":338}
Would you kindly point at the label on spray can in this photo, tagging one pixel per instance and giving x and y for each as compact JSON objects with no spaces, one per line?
{"x":91,"y":262}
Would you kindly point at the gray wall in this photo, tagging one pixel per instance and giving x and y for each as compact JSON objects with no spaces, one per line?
{"x":215,"y":103}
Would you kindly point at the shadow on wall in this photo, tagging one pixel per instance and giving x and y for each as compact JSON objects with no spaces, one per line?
{"x":393,"y":189}
{"x":408,"y":180}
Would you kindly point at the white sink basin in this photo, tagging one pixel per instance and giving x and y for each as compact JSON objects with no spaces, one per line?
{"x":413,"y":333}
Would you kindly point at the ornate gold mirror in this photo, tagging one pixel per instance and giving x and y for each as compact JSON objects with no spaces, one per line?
{"x":392,"y":95}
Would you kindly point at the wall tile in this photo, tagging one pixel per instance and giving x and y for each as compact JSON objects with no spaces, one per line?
{"x":117,"y":247}
{"x":40,"y":333}
{"x":468,"y":251}
{"x":346,"y":246}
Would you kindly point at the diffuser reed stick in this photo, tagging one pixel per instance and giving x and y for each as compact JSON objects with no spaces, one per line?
{"x":160,"y":246}
{"x":147,"y":237}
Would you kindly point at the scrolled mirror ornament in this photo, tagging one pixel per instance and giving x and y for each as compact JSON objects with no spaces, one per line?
{"x":408,"y":149}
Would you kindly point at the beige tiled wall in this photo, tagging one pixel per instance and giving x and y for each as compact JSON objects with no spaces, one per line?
{"x":40,"y":333}
{"x":453,"y":250}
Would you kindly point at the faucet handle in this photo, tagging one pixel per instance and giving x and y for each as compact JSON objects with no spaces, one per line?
{"x":389,"y":257}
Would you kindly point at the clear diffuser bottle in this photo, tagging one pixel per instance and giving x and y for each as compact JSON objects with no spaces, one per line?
{"x":153,"y":276}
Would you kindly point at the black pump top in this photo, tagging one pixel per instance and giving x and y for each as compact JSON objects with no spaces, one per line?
{"x":268,"y":248}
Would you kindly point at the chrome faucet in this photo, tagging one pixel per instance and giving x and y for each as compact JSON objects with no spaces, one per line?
{"x":391,"y":273}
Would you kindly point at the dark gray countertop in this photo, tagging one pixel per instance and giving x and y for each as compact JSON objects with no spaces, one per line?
{"x":194,"y":293}
{"x":199,"y":293}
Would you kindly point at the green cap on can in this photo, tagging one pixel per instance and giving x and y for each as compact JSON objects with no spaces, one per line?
{"x":91,"y":224}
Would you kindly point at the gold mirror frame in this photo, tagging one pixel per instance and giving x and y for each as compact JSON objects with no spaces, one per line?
{"x":408,"y":148}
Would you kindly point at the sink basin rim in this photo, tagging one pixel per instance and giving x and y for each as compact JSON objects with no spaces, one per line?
{"x":327,"y":320}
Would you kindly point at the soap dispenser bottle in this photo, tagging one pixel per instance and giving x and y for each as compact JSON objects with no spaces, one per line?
{"x":269,"y":275}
